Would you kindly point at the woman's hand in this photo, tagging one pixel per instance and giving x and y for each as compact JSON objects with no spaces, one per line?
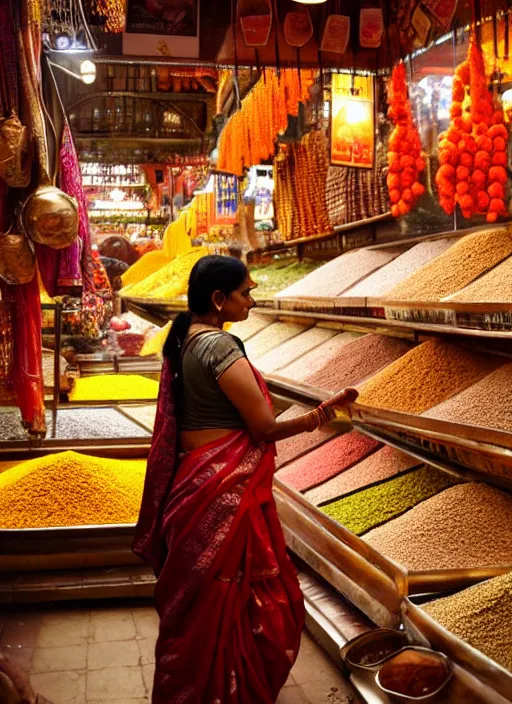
{"x":339,"y":400}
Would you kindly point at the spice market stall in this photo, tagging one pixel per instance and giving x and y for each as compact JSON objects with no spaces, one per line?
{"x":386,"y":269}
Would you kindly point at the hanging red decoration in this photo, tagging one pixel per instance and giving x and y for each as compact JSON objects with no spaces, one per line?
{"x":473,"y":151}
{"x":404,"y":151}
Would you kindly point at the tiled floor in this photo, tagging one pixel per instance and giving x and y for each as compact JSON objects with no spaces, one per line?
{"x":104,"y":655}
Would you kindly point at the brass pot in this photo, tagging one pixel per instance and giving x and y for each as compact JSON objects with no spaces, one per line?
{"x":15,"y":152}
{"x":50,"y":217}
{"x":17,"y":259}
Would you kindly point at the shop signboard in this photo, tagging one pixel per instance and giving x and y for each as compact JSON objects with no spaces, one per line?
{"x":352,"y":121}
{"x":162,"y":28}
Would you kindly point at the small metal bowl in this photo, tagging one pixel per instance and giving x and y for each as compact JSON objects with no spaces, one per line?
{"x":400,"y":660}
{"x":382,"y":643}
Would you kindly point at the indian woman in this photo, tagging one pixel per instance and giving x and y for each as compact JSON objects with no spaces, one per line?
{"x":227,"y":594}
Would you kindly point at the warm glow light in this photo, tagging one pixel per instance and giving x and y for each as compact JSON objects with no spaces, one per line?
{"x":117,"y":195}
{"x":88,"y":72}
{"x":310,"y":2}
{"x":356,"y":112}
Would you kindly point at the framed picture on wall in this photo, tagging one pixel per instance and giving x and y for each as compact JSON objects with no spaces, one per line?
{"x":162,"y":28}
{"x":352,"y":121}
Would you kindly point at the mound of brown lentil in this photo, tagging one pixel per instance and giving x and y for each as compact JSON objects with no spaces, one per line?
{"x":377,"y":504}
{"x":424,"y":377}
{"x":313,"y":361}
{"x":69,"y":489}
{"x":480,"y":616}
{"x":493,"y":287}
{"x":487,"y":403}
{"x":456,"y":268}
{"x":357,"y":361}
{"x":465,"y":526}
{"x":380,"y":465}
{"x":383,"y":280}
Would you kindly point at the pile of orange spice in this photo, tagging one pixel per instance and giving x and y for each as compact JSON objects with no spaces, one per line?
{"x":250,"y":134}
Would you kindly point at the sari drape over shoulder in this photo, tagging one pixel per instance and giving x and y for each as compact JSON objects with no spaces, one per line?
{"x":231,"y":610}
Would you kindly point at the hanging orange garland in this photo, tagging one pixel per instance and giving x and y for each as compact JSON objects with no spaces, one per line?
{"x":404,"y":154}
{"x":250,"y":134}
{"x":472,"y":152}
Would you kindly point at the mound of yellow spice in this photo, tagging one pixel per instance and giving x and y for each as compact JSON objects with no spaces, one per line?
{"x":69,"y":489}
{"x":114,"y":387}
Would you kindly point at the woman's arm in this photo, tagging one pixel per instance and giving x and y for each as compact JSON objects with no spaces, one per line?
{"x":240,"y":386}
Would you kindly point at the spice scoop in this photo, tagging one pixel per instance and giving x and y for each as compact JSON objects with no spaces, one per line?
{"x":370,"y":650}
{"x":415,"y":674}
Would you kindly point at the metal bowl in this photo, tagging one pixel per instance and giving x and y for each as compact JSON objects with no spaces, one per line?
{"x":400,"y":659}
{"x":383,"y":643}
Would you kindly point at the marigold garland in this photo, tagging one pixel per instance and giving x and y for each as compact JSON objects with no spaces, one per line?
{"x":114,"y":14}
{"x":250,"y":134}
{"x":472,"y":152}
{"x":404,"y":152}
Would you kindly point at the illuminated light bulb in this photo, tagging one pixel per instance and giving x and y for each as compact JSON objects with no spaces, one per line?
{"x":117,"y":195}
{"x":310,"y":2}
{"x":88,"y":72}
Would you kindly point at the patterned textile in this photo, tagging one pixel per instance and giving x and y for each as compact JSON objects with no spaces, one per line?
{"x":70,"y":271}
{"x":231,"y":610}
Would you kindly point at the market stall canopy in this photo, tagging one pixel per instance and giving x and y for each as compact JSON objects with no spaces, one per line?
{"x":408,"y":26}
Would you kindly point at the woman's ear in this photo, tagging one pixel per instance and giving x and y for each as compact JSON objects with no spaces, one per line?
{"x":219,"y":300}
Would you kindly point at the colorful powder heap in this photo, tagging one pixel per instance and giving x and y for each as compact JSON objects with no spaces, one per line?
{"x":93,"y":423}
{"x":341,"y":273}
{"x":318,"y":358}
{"x":357,"y":361}
{"x":290,"y":350}
{"x":327,"y":460}
{"x":488,"y":403}
{"x":291,"y":448}
{"x":493,"y":287}
{"x":69,"y":489}
{"x":383,"y":280}
{"x":464,"y":527}
{"x":470,"y":257}
{"x":377,"y":504}
{"x":424,"y":377}
{"x":480,"y":616}
{"x":170,"y":281}
{"x":378,"y":466}
{"x":114,"y":387}
{"x":250,"y":327}
{"x":279,"y":275}
{"x":271,"y":337}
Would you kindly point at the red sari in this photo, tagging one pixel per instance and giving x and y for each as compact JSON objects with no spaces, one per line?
{"x":231,"y":610}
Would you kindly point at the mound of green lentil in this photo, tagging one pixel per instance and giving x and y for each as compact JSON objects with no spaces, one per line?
{"x":365,"y":509}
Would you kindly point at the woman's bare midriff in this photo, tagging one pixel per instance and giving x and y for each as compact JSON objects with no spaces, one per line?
{"x":192,"y":439}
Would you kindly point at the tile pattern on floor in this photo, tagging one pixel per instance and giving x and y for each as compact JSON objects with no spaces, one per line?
{"x":104,"y":655}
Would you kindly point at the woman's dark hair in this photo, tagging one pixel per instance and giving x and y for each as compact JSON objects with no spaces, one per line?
{"x":210,"y":274}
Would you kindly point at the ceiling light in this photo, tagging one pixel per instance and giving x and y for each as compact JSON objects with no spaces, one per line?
{"x":88,"y":71}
